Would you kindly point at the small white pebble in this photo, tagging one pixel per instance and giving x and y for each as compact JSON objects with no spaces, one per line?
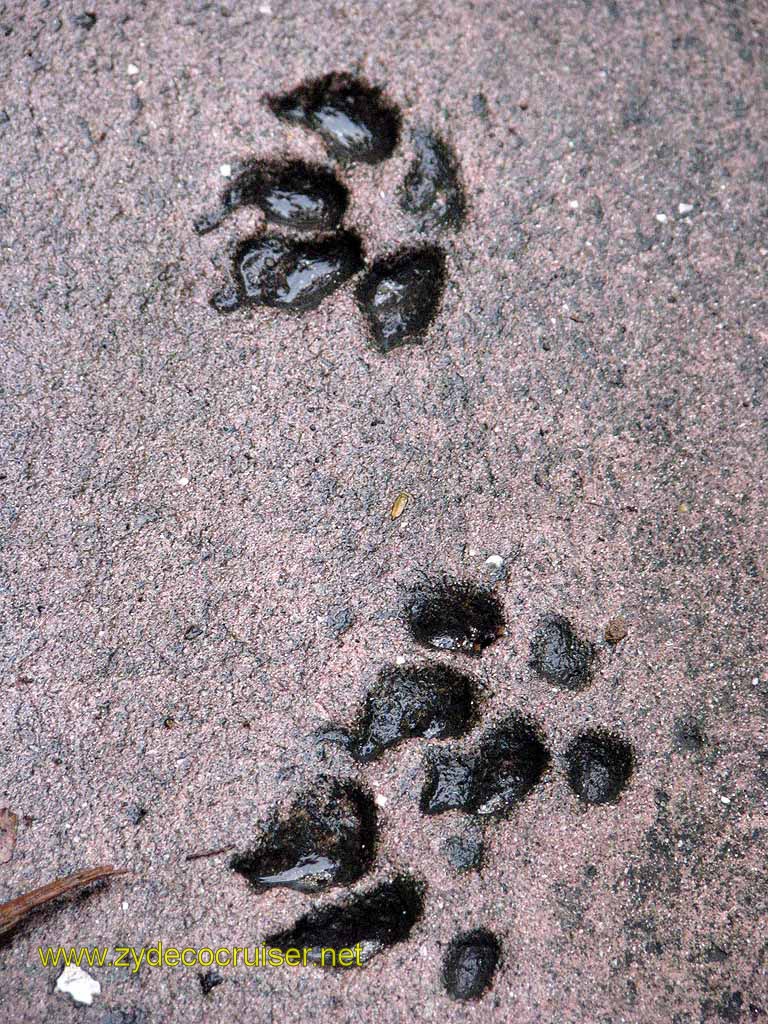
{"x":183,"y":481}
{"x":472,"y":552}
{"x":400,"y":660}
{"x":725,"y":800}
{"x":76,"y":983}
{"x":662,"y":218}
{"x":226,"y":170}
{"x":574,"y":204}
{"x":495,"y":561}
{"x":132,"y":69}
{"x":124,"y":904}
{"x":265,"y":9}
{"x":380,"y":800}
{"x":684,"y":207}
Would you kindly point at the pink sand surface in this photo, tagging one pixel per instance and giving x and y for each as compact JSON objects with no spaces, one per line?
{"x":590,"y":405}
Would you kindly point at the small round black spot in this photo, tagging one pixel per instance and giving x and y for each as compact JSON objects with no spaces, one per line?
{"x":451,"y":616}
{"x":559,"y":656}
{"x":470,"y":964}
{"x":599,"y":766}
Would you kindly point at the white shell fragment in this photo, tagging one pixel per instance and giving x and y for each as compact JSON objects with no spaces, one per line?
{"x":81,"y":986}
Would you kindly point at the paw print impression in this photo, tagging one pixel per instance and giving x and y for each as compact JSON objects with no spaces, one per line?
{"x":328,"y":836}
{"x":313,"y":254}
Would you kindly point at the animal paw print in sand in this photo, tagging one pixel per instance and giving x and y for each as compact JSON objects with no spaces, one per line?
{"x":400,"y":293}
{"x":328,"y":837}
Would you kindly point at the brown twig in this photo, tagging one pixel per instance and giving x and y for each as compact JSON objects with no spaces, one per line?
{"x":208,"y":853}
{"x":14,"y":911}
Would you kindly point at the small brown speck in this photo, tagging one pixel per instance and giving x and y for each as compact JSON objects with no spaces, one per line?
{"x":399,"y":505}
{"x":615,"y":631}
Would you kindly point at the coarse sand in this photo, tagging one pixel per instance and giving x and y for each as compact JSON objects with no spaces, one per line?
{"x":199,"y":567}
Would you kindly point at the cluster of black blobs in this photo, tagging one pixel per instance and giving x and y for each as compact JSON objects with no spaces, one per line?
{"x":328,"y":836}
{"x":399,"y":293}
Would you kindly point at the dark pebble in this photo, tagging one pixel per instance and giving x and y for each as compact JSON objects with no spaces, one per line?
{"x":209,"y":981}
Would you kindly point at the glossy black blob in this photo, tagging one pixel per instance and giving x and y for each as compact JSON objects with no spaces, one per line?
{"x":431,"y":189}
{"x":449,"y":781}
{"x":400,"y":295}
{"x":353,"y":119}
{"x":298,"y":195}
{"x":451,"y":616}
{"x":289,"y":273}
{"x":559,"y":656}
{"x":491,"y":781}
{"x":510,"y":761}
{"x":470,"y":964}
{"x":599,"y":766}
{"x":327,"y":838}
{"x":433,"y":701}
{"x":375,"y":920}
